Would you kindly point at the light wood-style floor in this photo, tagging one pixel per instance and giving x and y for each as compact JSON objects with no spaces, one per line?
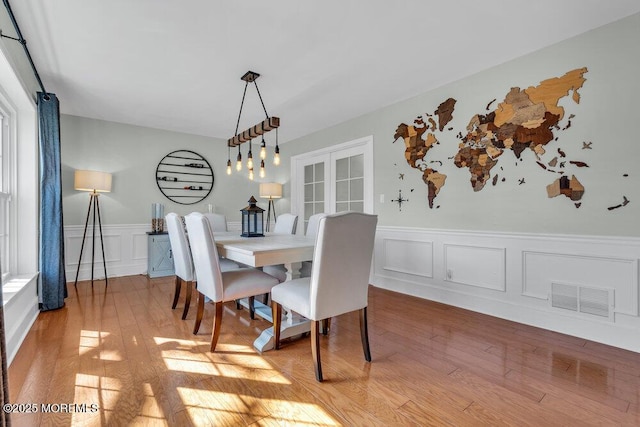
{"x":126,"y":351}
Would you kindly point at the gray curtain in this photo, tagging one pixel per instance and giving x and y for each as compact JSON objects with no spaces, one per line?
{"x":52,"y":279}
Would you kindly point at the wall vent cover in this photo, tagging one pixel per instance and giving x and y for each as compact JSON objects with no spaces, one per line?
{"x":583,"y":300}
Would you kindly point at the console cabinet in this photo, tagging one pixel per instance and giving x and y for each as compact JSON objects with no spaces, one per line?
{"x":160,"y":258}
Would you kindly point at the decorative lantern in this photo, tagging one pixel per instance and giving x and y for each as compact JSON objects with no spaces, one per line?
{"x":252,"y":220}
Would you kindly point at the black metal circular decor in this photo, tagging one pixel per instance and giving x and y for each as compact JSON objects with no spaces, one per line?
{"x":184,"y":177}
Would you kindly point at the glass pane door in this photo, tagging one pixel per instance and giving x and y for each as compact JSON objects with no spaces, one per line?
{"x":333,"y":179}
{"x":313,"y":191}
{"x":349,"y":183}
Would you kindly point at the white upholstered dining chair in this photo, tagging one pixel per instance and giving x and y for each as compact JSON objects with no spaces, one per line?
{"x":183,"y":262}
{"x":339,"y":281}
{"x":312,"y":231}
{"x":218,"y":221}
{"x":286,"y":224}
{"x":219,"y":286}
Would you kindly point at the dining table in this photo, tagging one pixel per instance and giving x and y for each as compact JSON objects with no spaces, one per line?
{"x":271,"y":249}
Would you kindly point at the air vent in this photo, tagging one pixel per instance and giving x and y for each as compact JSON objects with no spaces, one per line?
{"x":564,"y":296}
{"x":594,"y":301}
{"x":583,"y":300}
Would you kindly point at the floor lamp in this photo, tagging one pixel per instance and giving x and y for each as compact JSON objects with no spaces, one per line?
{"x":95,"y":182}
{"x":270,"y":190}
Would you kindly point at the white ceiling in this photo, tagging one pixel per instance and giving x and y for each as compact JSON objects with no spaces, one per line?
{"x":177,"y":65}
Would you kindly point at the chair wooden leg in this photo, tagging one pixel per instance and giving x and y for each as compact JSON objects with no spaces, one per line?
{"x":217,"y":319}
{"x":364,"y":334}
{"x":187,"y":299}
{"x":199,"y":313}
{"x":252,"y":308}
{"x":276,"y":314}
{"x":326,"y":323}
{"x":315,"y":349}
{"x":176,"y":292}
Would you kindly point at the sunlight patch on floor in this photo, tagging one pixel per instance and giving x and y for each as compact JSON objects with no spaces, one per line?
{"x":150,"y":408}
{"x":179,"y":349}
{"x":192,"y":366}
{"x":92,"y":341}
{"x":94,"y":389}
{"x":229,"y":361}
{"x":225,"y":408}
{"x":111,"y":355}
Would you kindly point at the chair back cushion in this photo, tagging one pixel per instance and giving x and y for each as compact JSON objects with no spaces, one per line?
{"x":180,"y":247}
{"x":286,"y":224}
{"x":218,"y":221}
{"x":342,"y":264}
{"x":205,"y":256}
{"x":313,"y":224}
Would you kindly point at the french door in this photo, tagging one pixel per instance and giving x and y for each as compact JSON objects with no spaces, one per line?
{"x":334,"y":179}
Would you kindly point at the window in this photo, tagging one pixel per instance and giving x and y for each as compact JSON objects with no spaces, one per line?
{"x":18,"y":205}
{"x":18,"y":179}
{"x":5,"y":196}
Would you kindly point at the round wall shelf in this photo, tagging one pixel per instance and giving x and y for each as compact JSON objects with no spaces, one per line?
{"x":184,"y":177}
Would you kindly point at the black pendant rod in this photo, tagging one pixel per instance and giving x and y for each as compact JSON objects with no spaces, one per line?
{"x":241,"y":105}
{"x":260,"y":96}
{"x":23,"y":42}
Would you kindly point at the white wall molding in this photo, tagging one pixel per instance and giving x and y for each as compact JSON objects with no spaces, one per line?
{"x":509,"y":275}
{"x":413,"y":257}
{"x":604,"y":272}
{"x":480,"y":266}
{"x":125,"y":248}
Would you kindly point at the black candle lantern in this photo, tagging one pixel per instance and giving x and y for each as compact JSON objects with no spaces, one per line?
{"x":252,"y":220}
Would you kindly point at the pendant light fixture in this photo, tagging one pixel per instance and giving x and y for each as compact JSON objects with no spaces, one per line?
{"x":276,"y":156}
{"x":250,"y":162}
{"x":270,"y":123}
{"x":263,"y":149}
{"x":250,"y":158}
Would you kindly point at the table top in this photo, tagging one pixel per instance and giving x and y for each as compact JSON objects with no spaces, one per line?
{"x":268,"y":250}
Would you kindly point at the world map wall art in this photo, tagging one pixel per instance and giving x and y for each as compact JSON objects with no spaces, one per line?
{"x":526,"y":119}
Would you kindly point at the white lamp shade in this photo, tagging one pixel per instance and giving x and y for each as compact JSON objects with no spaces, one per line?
{"x":270,"y":190}
{"x":86,"y":180}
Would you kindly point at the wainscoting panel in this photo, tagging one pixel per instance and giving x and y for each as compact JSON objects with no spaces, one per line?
{"x":475,"y":266}
{"x":540,"y":269}
{"x":125,"y":248}
{"x":510,"y":275}
{"x":407,"y":257}
{"x":139,"y":249}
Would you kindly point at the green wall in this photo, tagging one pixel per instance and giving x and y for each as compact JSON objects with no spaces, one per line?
{"x":131,"y":154}
{"x":607,"y":116}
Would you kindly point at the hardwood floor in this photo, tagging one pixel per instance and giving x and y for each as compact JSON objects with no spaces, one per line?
{"x":128,"y":353}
